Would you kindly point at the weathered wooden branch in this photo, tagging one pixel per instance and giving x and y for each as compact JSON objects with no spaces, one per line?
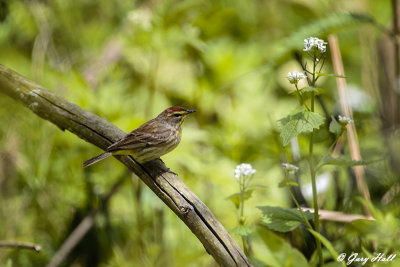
{"x":172,"y":191}
{"x":20,"y":245}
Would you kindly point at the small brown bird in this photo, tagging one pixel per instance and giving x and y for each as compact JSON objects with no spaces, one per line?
{"x":151,"y":140}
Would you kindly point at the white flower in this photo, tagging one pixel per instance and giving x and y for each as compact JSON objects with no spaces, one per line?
{"x":345,"y":120}
{"x":295,"y":76}
{"x":311,"y":42}
{"x":244,"y":169}
{"x":141,"y":17}
{"x":289,"y":167}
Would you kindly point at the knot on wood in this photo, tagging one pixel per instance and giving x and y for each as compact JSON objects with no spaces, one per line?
{"x":185,"y":209}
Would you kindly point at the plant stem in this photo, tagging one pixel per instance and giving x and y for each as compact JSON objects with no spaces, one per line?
{"x":241,"y":217}
{"x":315,"y":196}
{"x":242,"y":187}
{"x":246,"y":252}
{"x":312,"y":172}
{"x":301,"y":211}
{"x":302,"y":102}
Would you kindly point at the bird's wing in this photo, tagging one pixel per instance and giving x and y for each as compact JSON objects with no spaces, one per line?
{"x":139,"y":138}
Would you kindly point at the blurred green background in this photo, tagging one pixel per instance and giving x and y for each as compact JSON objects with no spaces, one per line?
{"x":127,"y":61}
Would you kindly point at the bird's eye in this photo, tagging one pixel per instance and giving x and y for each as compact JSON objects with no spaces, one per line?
{"x":177,"y":115}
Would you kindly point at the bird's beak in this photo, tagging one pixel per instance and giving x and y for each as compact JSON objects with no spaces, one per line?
{"x":188,"y":111}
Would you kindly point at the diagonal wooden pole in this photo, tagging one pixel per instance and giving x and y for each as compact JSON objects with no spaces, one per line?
{"x":172,"y":191}
{"x":351,"y":129}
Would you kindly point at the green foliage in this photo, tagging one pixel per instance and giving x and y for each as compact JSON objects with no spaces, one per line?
{"x":277,"y":252}
{"x":308,"y":89}
{"x":335,"y":127}
{"x":241,"y":230}
{"x":342,"y":161}
{"x":298,"y":123}
{"x":307,"y":92}
{"x":287,"y":183}
{"x":319,"y":27}
{"x":319,"y":74}
{"x":282,"y":219}
{"x":327,"y":244}
{"x":128,"y":60}
{"x":237,"y":197}
{"x":379,"y":231}
{"x":8,"y":263}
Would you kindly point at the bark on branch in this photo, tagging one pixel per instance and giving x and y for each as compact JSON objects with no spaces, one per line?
{"x":20,"y":245}
{"x":172,"y":191}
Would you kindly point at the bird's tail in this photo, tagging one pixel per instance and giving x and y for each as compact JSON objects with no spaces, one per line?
{"x":96,"y":159}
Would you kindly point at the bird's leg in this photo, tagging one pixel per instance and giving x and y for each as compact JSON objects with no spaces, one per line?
{"x":174,"y":173}
{"x":158,"y":165}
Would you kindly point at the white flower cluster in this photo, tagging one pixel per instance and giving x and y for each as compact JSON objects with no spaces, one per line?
{"x":295,"y":76}
{"x":289,"y":167}
{"x":311,"y":42}
{"x":141,"y":17}
{"x":345,"y":120}
{"x":244,"y":169}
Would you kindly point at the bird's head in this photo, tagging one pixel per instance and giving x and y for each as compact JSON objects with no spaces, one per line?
{"x":176,"y":115}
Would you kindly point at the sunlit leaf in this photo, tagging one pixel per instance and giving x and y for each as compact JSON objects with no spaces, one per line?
{"x":281,"y":253}
{"x":301,"y":122}
{"x":342,"y":161}
{"x":287,"y":183}
{"x":236,"y":198}
{"x":309,"y":89}
{"x":241,"y":230}
{"x":255,"y":186}
{"x":335,"y":127}
{"x":330,"y":75}
{"x":282,"y":219}
{"x":327,"y":244}
{"x":256,"y":262}
{"x":307,"y":92}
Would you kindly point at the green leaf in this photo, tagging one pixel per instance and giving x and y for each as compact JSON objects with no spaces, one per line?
{"x":330,"y":75}
{"x":309,"y":89}
{"x":278,"y":251}
{"x":257,"y":263}
{"x":307,"y":92}
{"x":298,"y":123}
{"x":342,"y":161}
{"x":345,"y":161}
{"x":287,"y":183}
{"x":255,"y":186}
{"x":241,"y":230}
{"x":327,"y":244}
{"x":237,"y":198}
{"x":282,"y":219}
{"x":335,"y":127}
{"x":363,"y":17}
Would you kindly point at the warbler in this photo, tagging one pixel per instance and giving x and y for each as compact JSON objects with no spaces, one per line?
{"x":151,"y":140}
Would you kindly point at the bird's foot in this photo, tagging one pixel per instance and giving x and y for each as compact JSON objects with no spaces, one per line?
{"x":169,"y":171}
